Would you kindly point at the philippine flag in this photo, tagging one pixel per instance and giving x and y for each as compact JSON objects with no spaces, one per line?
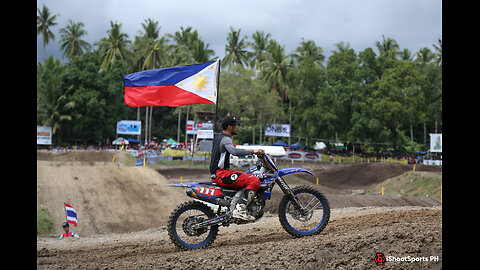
{"x":71,"y":214}
{"x":174,"y":86}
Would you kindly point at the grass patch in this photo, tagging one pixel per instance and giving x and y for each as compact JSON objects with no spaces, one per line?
{"x":414,"y":184}
{"x":44,"y":222}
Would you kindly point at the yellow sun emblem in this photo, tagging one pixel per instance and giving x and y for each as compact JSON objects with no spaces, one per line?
{"x":200,"y":82}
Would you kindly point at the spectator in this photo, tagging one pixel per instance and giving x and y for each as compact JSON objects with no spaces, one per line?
{"x":67,"y":233}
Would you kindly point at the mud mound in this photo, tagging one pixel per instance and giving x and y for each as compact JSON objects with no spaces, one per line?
{"x":79,"y":155}
{"x":107,"y":198}
{"x":350,"y":241}
{"x":190,"y":174}
{"x":360,"y":175}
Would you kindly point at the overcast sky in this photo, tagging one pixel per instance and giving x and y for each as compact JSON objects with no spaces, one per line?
{"x":412,"y":23}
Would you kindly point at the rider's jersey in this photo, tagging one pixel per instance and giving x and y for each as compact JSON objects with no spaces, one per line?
{"x":69,"y":234}
{"x":221,"y":150}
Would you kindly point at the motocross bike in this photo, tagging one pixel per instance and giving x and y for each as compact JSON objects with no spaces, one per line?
{"x":303,"y":210}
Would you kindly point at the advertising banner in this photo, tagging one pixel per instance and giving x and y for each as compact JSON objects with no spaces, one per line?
{"x":129,"y":127}
{"x":205,"y":134}
{"x":279,"y":130}
{"x":44,"y":135}
{"x":191,"y":127}
{"x":435,"y":142}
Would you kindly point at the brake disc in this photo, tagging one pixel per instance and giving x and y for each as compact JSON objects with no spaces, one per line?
{"x":188,"y":226}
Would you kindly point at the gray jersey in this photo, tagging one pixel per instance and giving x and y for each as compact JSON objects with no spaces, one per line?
{"x":222,"y":149}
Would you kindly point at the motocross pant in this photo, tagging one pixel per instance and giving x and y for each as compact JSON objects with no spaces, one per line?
{"x":236,"y":179}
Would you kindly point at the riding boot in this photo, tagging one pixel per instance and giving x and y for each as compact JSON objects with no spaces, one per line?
{"x":241,"y":207}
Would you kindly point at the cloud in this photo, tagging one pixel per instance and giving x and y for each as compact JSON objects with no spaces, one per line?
{"x":412,"y":23}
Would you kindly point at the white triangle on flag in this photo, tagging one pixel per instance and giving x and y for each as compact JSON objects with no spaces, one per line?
{"x":203,"y":83}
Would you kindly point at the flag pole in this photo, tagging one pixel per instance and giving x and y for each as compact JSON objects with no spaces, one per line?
{"x":218,"y":91}
{"x":65,"y":208}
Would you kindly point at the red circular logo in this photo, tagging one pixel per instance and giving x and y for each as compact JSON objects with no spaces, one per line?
{"x":380,"y":259}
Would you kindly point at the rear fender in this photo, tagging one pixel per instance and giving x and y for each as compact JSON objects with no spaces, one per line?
{"x":187,"y":185}
{"x":285,"y":171}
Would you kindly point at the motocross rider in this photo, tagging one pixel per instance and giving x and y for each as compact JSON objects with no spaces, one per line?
{"x":222,"y":148}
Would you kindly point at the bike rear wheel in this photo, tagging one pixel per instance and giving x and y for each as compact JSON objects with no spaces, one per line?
{"x":312,"y":220}
{"x":181,"y":230}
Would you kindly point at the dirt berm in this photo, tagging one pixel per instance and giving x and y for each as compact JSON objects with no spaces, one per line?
{"x":107,"y":196}
{"x":113,"y":196}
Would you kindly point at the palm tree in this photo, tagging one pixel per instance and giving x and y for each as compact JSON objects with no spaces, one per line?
{"x":342,"y":46}
{"x":439,"y":51}
{"x":182,"y":53}
{"x":405,"y":54}
{"x":201,"y":52}
{"x":44,"y":22}
{"x":114,"y":46}
{"x":53,"y":107}
{"x":259,"y":46}
{"x":308,"y":50}
{"x":424,"y":56}
{"x":235,"y":50}
{"x":388,"y":47}
{"x":275,"y":68}
{"x":71,"y":43}
{"x":153,"y":51}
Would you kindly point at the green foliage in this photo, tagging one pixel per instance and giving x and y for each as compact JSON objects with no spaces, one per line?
{"x":381,"y":100}
{"x":44,"y":221}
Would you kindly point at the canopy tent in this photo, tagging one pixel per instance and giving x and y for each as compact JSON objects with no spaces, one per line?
{"x":119,"y":140}
{"x":279,"y":143}
{"x":171,"y":141}
{"x":320,"y":146}
{"x":271,"y":150}
{"x":295,"y":145}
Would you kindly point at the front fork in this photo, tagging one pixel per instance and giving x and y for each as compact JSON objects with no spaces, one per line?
{"x":293,"y":198}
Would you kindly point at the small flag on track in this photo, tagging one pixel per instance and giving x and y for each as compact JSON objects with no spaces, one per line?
{"x":71,"y":214}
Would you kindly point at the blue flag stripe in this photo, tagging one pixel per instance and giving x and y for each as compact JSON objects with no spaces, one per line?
{"x":162,"y":76}
{"x":71,"y":214}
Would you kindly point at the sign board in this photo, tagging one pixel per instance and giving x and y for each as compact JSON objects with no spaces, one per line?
{"x":44,"y":135}
{"x":129,"y":127}
{"x":204,"y":125}
{"x":435,"y":142}
{"x":205,"y":134}
{"x":191,"y":129}
{"x":279,"y":130}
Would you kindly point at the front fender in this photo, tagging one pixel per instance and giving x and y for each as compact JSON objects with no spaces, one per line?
{"x":285,"y":171}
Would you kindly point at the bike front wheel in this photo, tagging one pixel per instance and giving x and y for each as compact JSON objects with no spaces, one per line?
{"x":311,"y":219}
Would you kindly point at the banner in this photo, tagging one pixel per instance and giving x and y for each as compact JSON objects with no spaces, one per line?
{"x":279,"y":130}
{"x":435,"y":142}
{"x":44,"y":135}
{"x":191,"y":129}
{"x":205,"y":134}
{"x":129,"y":127}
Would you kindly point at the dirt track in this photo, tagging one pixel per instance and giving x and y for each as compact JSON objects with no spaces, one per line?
{"x":350,"y":241}
{"x":123,"y":211}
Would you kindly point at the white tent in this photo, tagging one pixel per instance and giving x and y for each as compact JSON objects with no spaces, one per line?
{"x":320,"y":146}
{"x":271,"y":150}
{"x":119,"y":140}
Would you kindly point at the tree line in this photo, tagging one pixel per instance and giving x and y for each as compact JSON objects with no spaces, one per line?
{"x":381,"y":97}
